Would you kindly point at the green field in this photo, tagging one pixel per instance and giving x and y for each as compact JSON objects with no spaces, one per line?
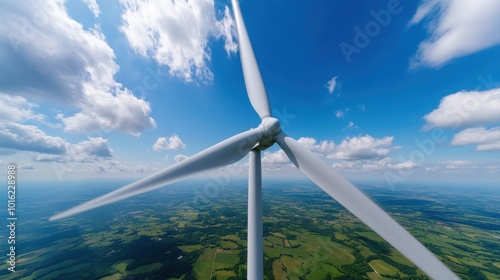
{"x":306,"y":233}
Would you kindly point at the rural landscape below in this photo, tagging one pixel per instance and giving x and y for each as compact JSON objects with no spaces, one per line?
{"x":197,"y":230}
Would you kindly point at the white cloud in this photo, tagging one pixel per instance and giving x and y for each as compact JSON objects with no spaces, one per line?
{"x":174,"y":142}
{"x":341,"y":112}
{"x":93,"y":6}
{"x":485,"y":139}
{"x":30,"y":138}
{"x":119,"y":112}
{"x":17,"y":109}
{"x":102,"y":167}
{"x":374,"y":165}
{"x":458,"y":28}
{"x":278,"y":157}
{"x":46,"y":55}
{"x":111,"y":166}
{"x":345,"y":165}
{"x":26,"y":165}
{"x":385,"y":163}
{"x":425,"y":8}
{"x":489,"y":146}
{"x":77,"y":169}
{"x":114,"y":166}
{"x":363,"y":147}
{"x":176,"y":33}
{"x":228,"y":32}
{"x":180,"y":157}
{"x":466,"y":108}
{"x":331,"y":84}
{"x":94,"y":147}
{"x":351,"y":125}
{"x":360,"y":148}
{"x":459,"y":164}
{"x":144,"y":169}
{"x":323,"y":147}
{"x":403,"y":165}
{"x":354,"y":154}
{"x":91,"y":150}
{"x":15,"y":136}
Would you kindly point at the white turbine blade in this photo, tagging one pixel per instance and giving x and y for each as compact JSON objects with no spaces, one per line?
{"x":221,"y":154}
{"x":363,"y":208}
{"x":253,"y":80}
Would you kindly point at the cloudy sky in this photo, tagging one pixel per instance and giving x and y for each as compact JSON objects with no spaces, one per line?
{"x":395,"y":91}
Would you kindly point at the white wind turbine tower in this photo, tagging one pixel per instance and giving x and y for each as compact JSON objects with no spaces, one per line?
{"x":252,"y":142}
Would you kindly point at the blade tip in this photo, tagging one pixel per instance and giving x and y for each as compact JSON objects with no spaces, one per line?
{"x":58,"y":216}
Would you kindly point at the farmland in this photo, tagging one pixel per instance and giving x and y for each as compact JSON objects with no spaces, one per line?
{"x":175,"y":233}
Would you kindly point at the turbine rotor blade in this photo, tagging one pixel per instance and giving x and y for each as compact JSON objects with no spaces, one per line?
{"x":363,"y":208}
{"x":251,"y":73}
{"x":221,"y":154}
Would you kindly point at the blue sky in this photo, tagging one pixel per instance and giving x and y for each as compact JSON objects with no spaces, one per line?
{"x":394,"y":91}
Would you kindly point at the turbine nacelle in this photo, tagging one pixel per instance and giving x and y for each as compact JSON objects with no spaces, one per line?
{"x":270,"y":129}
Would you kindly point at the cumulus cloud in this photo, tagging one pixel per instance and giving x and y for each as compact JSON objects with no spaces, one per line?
{"x":180,"y":157}
{"x":358,"y":148}
{"x":345,"y":165}
{"x":489,"y":146}
{"x":385,"y":163}
{"x":17,"y":109}
{"x":15,"y":136}
{"x":322,"y":147}
{"x":278,"y":157}
{"x":174,"y":142}
{"x":403,"y":165}
{"x":30,"y":138}
{"x":363,"y":147}
{"x":331,"y":84}
{"x":46,"y":55}
{"x":92,"y":150}
{"x":376,"y":165}
{"x":457,"y":28}
{"x":120,"y":112}
{"x":176,"y":33}
{"x":466,"y":108}
{"x":95,"y":147}
{"x":485,"y":139}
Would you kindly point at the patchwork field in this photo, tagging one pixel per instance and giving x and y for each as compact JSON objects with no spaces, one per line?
{"x":307,"y":236}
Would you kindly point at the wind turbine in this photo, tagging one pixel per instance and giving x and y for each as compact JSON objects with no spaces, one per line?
{"x":252,"y":142}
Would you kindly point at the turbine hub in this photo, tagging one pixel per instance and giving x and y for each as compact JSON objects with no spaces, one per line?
{"x":270,"y":128}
